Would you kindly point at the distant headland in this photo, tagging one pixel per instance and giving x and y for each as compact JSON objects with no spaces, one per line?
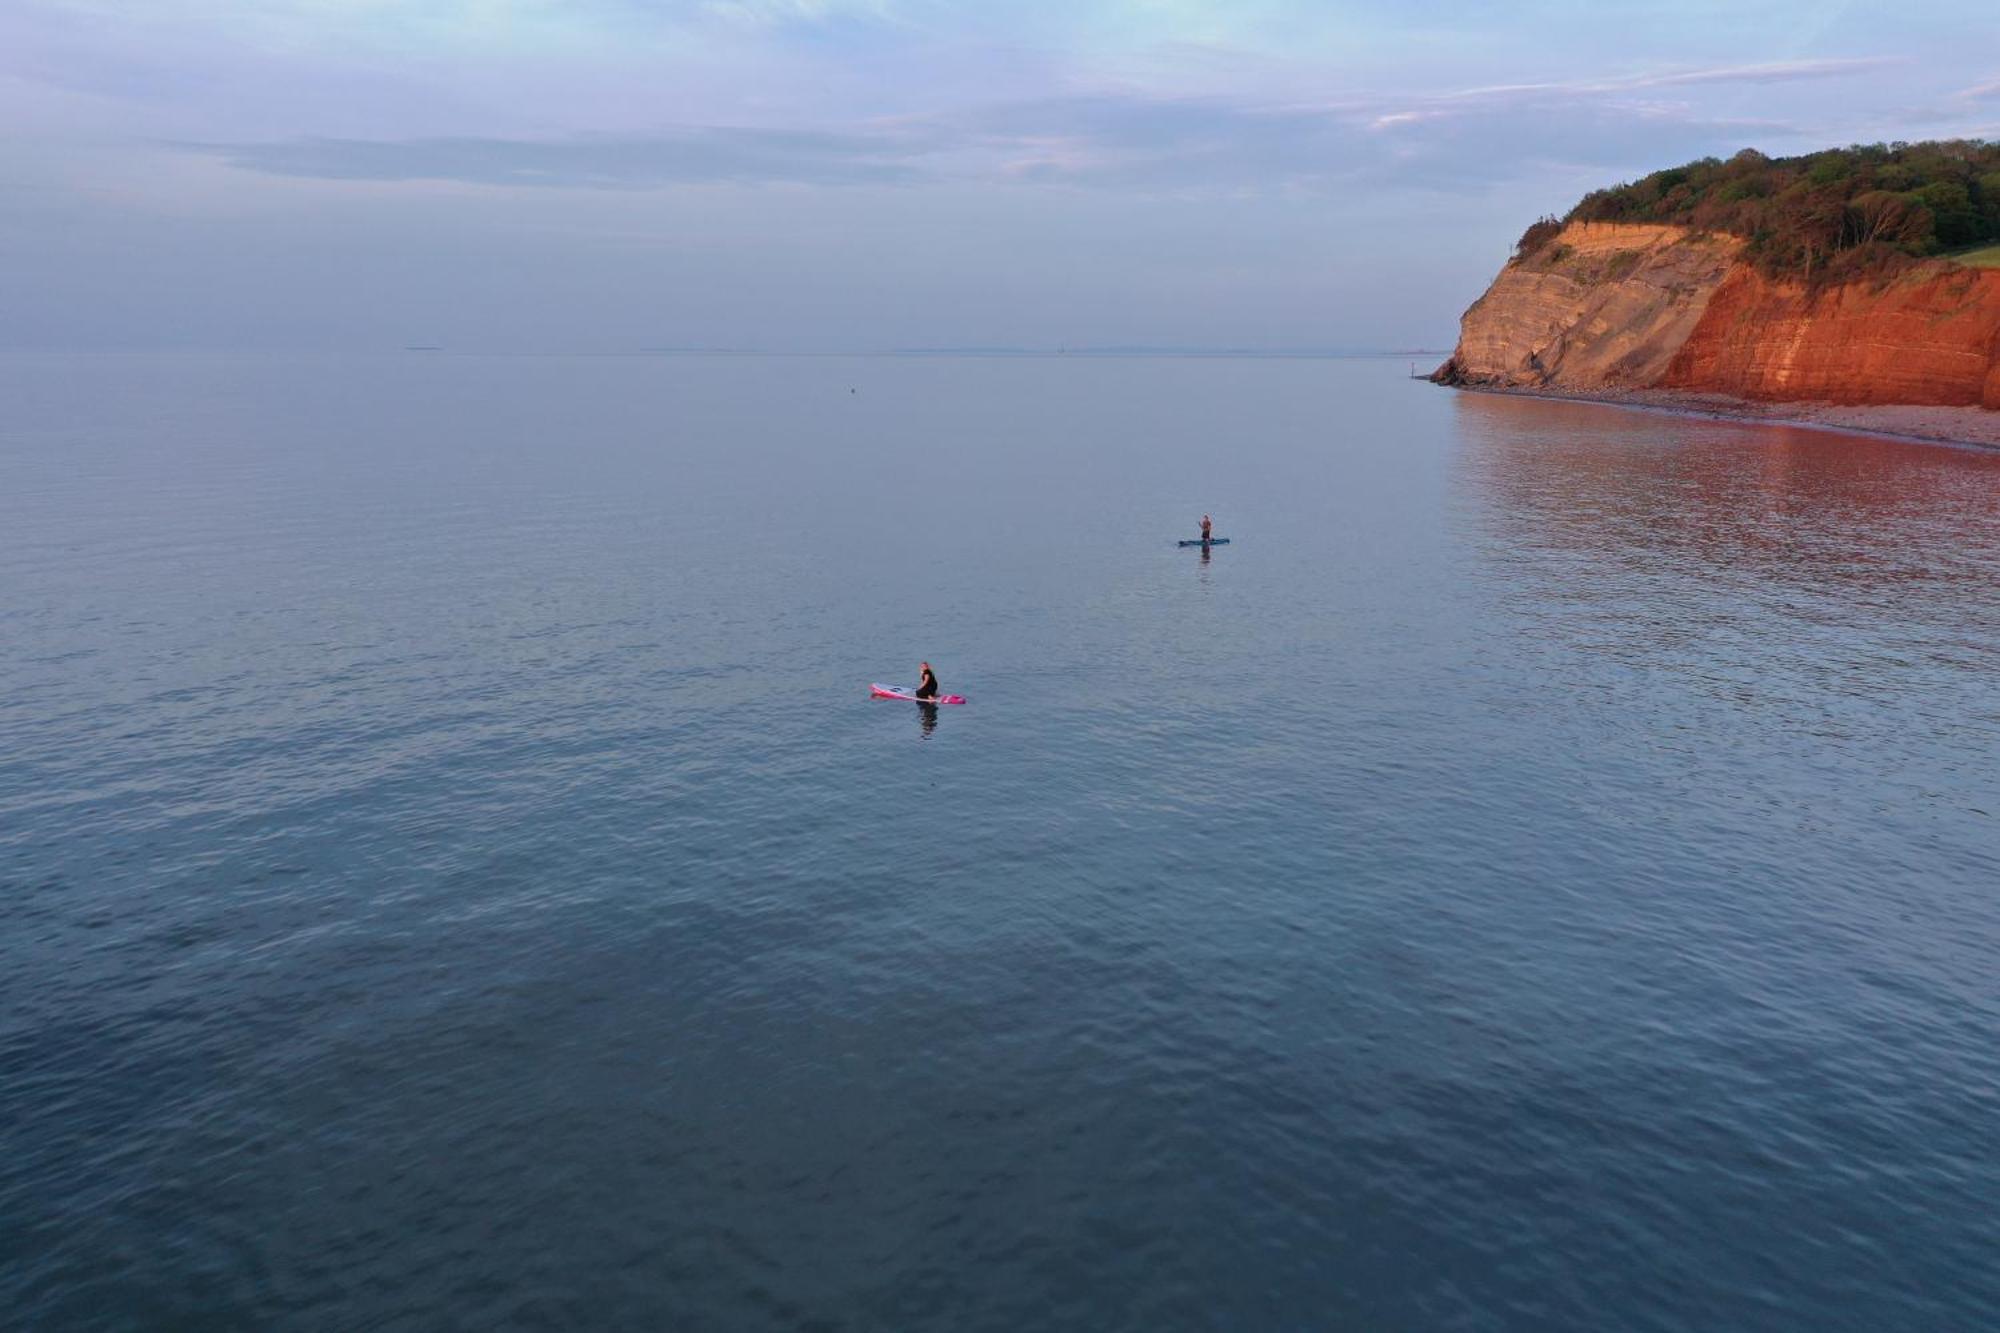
{"x":1858,"y":287}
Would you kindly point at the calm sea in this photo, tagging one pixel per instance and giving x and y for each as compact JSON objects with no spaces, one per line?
{"x":1543,"y":874}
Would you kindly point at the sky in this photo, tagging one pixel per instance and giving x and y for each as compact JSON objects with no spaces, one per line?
{"x":827,"y":175}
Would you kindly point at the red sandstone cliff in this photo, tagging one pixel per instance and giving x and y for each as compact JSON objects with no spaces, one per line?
{"x":1657,"y":307}
{"x":1931,"y":335}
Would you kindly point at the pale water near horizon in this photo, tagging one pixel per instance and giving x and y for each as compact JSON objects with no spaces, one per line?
{"x":1543,"y":873}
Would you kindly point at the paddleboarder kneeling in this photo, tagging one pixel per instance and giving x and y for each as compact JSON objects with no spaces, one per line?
{"x":927,"y":688}
{"x":1207,"y":529}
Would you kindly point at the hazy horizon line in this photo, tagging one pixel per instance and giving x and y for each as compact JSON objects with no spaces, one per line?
{"x":945,"y":350}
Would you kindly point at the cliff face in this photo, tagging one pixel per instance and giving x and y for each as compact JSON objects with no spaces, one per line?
{"x":1930,"y":336}
{"x":1613,"y":306}
{"x":1603,"y":304}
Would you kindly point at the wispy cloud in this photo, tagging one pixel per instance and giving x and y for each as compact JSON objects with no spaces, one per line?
{"x":769,"y":13}
{"x":1785,"y":71}
{"x":1780,"y":71}
{"x":1452,"y":141}
{"x":699,"y":156}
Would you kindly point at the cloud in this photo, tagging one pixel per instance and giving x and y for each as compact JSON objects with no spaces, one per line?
{"x":1985,"y":92}
{"x":1450,"y":142}
{"x":1782,"y":71}
{"x":1454,"y":140}
{"x":698,"y":156}
{"x":771,"y":13}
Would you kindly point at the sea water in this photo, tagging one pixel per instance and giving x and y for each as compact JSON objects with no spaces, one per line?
{"x":1543,"y":873}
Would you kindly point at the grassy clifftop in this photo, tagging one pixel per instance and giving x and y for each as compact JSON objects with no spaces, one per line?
{"x":1831,"y":215}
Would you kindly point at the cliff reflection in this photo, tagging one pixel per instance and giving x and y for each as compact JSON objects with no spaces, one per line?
{"x":1624,"y":507}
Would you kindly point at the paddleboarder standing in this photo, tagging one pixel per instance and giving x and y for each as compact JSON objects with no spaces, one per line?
{"x":1207,"y":529}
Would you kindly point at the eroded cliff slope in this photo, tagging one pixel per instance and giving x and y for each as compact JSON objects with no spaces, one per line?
{"x":1612,"y":306}
{"x":1603,"y":304}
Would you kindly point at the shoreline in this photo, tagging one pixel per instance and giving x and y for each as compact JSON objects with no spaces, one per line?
{"x":1965,"y":427}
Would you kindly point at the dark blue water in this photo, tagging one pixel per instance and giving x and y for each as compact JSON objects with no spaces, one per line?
{"x":1544,"y":873}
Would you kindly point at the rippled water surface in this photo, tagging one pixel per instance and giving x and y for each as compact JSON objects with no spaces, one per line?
{"x":1544,"y":873}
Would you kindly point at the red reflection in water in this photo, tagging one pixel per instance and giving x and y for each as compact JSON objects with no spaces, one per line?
{"x":1646,"y":494}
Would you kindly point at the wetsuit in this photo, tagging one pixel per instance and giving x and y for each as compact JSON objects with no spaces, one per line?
{"x":927,"y":688}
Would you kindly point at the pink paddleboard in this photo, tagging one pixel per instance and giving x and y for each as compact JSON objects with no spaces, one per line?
{"x":909,"y":696}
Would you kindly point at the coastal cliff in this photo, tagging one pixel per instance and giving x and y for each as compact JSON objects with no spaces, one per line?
{"x":1930,"y":335}
{"x":1609,"y":306}
{"x":1604,"y":304}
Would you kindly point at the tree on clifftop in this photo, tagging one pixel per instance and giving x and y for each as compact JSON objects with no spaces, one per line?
{"x":1834,"y":213}
{"x":1884,"y":217}
{"x":1539,"y":233}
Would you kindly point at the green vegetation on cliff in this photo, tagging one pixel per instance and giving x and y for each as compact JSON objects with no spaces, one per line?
{"x":1836,"y":214}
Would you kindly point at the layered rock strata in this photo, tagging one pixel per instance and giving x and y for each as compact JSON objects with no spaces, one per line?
{"x":1606,"y":306}
{"x":1929,"y":336}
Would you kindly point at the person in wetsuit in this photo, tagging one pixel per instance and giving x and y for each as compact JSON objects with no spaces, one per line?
{"x":1207,"y":529}
{"x":927,"y":688}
